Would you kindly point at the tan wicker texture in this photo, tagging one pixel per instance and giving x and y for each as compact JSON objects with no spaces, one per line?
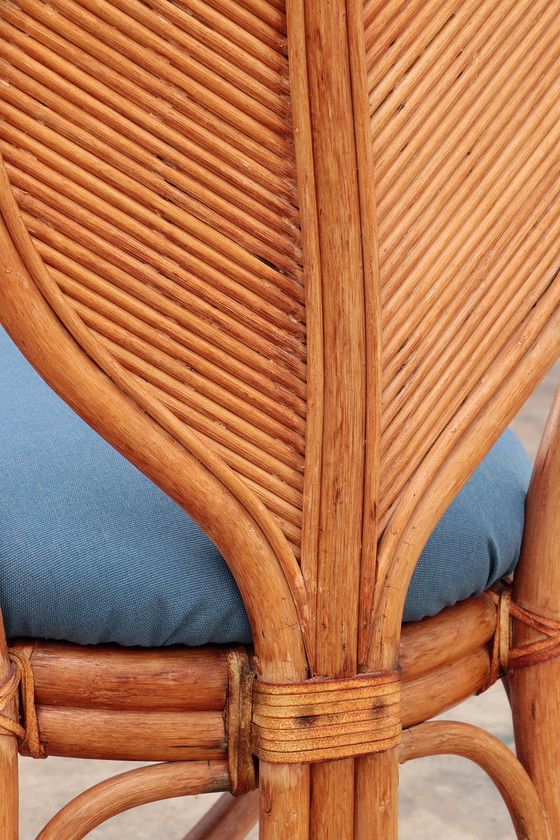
{"x":463,"y":100}
{"x":156,"y":178}
{"x":299,"y":261}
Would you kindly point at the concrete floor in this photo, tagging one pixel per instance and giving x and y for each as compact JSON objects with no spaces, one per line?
{"x":443,"y":797}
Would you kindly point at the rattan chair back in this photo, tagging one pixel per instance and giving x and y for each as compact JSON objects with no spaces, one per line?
{"x":298,"y":263}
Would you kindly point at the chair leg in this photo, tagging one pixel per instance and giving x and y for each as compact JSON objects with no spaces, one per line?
{"x":332,"y":800}
{"x":349,"y":800}
{"x":535,"y":700}
{"x":535,"y":690}
{"x":284,"y":801}
{"x":9,"y":788}
{"x":377,"y":795}
{"x":9,"y":794}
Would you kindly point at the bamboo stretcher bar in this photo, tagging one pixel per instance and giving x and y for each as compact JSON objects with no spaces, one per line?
{"x":230,"y":818}
{"x":451,"y":737}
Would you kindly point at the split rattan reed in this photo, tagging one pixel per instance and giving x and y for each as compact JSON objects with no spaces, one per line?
{"x":195,"y":257}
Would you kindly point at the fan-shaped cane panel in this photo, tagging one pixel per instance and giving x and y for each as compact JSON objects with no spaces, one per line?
{"x":464,"y":101}
{"x":149,"y":146}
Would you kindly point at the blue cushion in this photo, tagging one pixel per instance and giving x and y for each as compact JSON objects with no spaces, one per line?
{"x":91,"y":551}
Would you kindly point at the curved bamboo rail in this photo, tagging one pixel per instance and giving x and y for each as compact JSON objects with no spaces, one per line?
{"x":174,"y":706}
{"x":127,"y":790}
{"x":203,"y":475}
{"x":505,"y":770}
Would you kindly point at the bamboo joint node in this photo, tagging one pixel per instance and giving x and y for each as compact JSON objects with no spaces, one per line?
{"x":323,"y":719}
{"x":27,"y":732}
{"x":506,"y":658}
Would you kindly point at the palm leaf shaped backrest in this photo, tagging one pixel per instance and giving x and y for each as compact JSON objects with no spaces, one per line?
{"x":307,"y":365}
{"x":150,"y":154}
{"x":464,"y":100}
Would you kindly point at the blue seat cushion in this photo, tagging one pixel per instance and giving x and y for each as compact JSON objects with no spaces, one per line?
{"x":91,"y":551}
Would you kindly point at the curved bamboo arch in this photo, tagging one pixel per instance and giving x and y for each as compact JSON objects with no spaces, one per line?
{"x":130,"y":789}
{"x":457,"y":454}
{"x":243,"y":530}
{"x":505,"y":770}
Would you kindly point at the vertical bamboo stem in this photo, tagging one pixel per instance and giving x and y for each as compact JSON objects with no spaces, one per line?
{"x":331,"y":59}
{"x":376,"y":776}
{"x":9,"y":797}
{"x":535,"y":690}
{"x":284,"y":806}
{"x":377,"y":783}
{"x":335,"y":162}
{"x":333,"y":782}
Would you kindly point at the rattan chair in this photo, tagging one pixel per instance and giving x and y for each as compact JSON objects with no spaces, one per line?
{"x":189,"y":184}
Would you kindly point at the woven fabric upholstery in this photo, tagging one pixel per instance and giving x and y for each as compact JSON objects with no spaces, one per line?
{"x":477,"y":540}
{"x":91,"y":551}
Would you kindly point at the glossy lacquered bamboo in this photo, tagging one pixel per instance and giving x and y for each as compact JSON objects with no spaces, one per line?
{"x":331,"y":129}
{"x":49,"y":330}
{"x":166,"y":705}
{"x":132,"y":736}
{"x":422,"y":698}
{"x":224,"y":178}
{"x":507,"y":62}
{"x":216,"y":280}
{"x":112,"y":677}
{"x":137,"y":161}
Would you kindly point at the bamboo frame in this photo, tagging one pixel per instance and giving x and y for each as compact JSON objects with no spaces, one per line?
{"x":80,"y":693}
{"x":534,"y":691}
{"x":299,"y":263}
{"x":518,"y":792}
{"x":130,"y":789}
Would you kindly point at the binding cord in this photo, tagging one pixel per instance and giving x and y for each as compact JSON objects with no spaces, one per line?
{"x":21,"y":677}
{"x":506,"y":658}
